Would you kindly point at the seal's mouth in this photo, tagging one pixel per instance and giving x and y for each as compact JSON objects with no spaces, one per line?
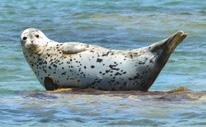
{"x":32,"y":47}
{"x":28,"y":44}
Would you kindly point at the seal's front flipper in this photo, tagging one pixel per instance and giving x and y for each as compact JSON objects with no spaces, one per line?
{"x":73,"y":48}
{"x":49,"y":84}
{"x":168,"y":45}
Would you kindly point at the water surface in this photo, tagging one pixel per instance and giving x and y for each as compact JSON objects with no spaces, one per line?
{"x":120,"y":24}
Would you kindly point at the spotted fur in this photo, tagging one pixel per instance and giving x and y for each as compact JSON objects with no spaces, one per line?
{"x":91,"y":66}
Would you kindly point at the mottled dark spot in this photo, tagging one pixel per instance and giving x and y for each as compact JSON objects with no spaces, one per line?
{"x":141,"y":62}
{"x":44,"y":70}
{"x":54,"y":65}
{"x":92,"y":66}
{"x":64,"y":73}
{"x":99,"y":60}
{"x":113,"y":67}
{"x":131,"y":56}
{"x":151,"y":61}
{"x":106,"y":54}
{"x":117,"y":73}
{"x":130,"y":78}
{"x":137,"y":76}
{"x":107,"y":71}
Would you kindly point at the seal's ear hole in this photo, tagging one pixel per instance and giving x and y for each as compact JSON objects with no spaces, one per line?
{"x":24,"y":38}
{"x":37,"y":36}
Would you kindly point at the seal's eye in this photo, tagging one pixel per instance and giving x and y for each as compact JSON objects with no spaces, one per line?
{"x":37,"y":36}
{"x":24,"y":38}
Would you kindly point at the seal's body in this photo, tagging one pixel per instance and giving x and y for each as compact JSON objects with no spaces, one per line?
{"x":80,"y":65}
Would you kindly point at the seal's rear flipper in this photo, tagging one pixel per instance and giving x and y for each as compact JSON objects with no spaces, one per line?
{"x":162,"y":51}
{"x":164,"y":48}
{"x":168,"y":45}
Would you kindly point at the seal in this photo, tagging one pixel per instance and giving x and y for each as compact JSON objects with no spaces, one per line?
{"x":80,"y":65}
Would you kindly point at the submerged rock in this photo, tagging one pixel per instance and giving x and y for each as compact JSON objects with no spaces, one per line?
{"x":178,"y":94}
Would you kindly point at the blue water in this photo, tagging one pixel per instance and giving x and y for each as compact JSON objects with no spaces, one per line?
{"x":120,"y":24}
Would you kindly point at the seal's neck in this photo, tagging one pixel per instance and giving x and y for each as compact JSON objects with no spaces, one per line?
{"x":34,"y":54}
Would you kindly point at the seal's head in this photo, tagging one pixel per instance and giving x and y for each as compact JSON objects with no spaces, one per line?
{"x":33,"y":40}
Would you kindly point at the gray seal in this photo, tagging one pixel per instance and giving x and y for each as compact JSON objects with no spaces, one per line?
{"x":80,"y":65}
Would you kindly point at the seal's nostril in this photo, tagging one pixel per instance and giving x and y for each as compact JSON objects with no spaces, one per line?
{"x":24,"y":38}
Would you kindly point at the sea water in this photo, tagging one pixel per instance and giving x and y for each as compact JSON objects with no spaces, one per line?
{"x":119,"y":24}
